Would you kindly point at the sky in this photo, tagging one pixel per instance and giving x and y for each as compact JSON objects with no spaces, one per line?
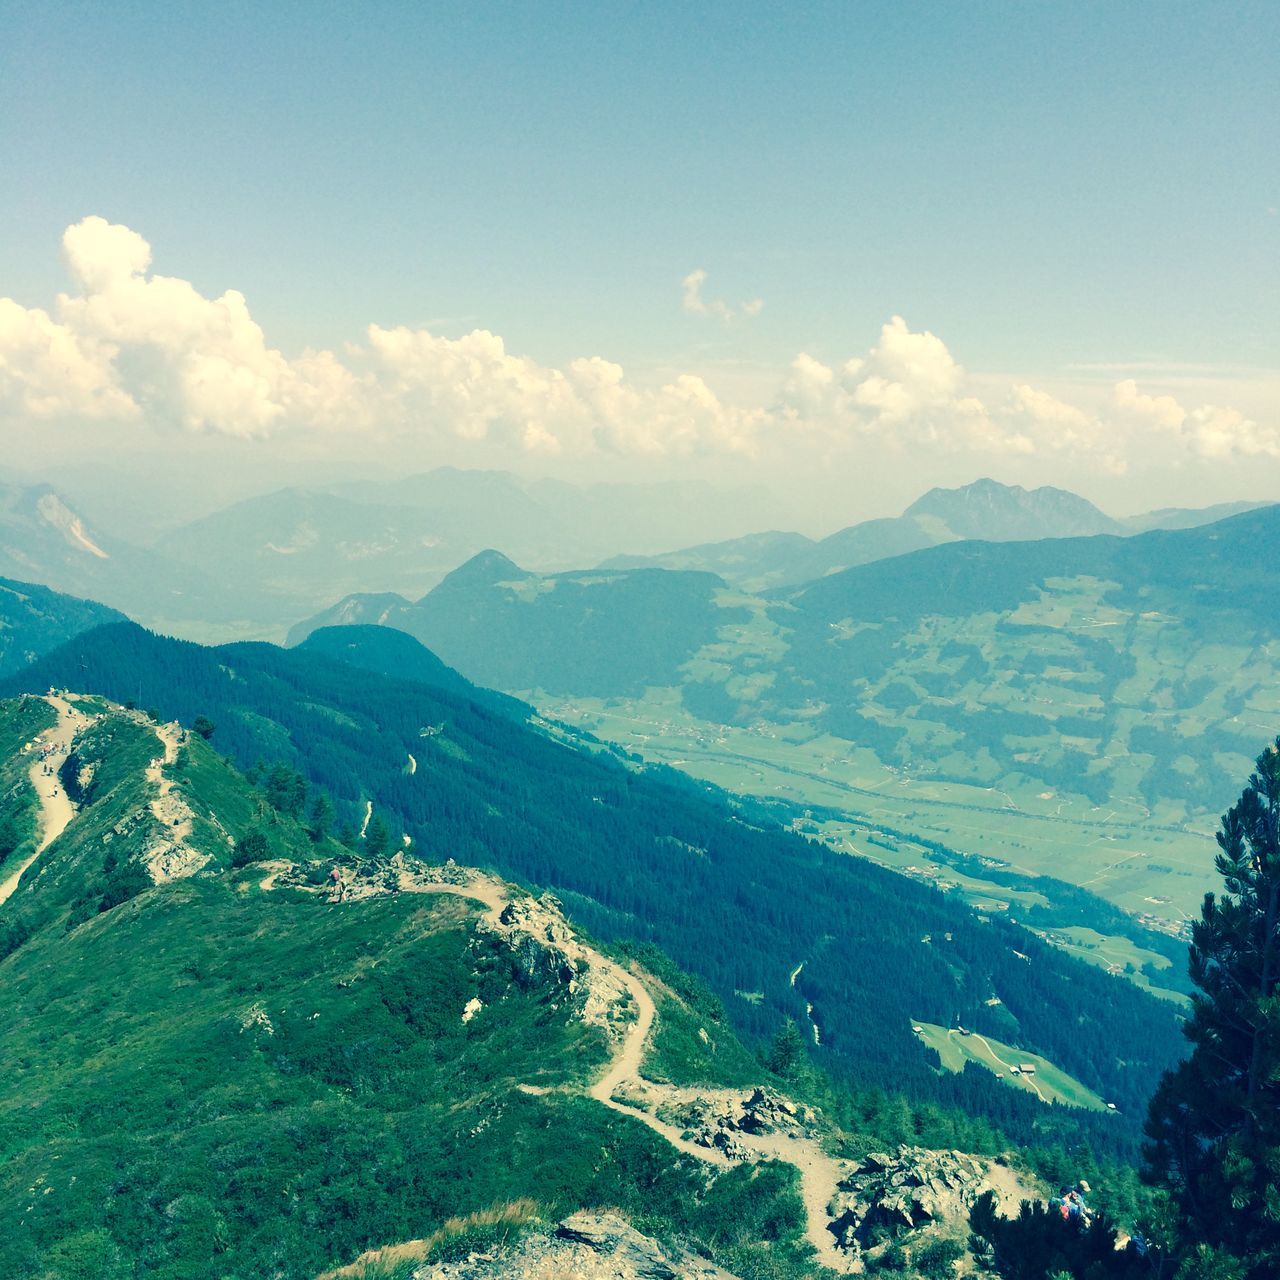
{"x":844,"y":251}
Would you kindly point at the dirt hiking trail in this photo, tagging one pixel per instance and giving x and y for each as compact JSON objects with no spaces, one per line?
{"x":56,"y":809}
{"x":819,"y":1173}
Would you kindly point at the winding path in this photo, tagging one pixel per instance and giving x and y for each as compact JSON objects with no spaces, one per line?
{"x":819,"y":1173}
{"x":56,"y":809}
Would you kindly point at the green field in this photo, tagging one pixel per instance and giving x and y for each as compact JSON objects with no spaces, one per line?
{"x":1156,"y":874}
{"x":1116,"y":955}
{"x":1048,"y":1083}
{"x":1121,"y":854}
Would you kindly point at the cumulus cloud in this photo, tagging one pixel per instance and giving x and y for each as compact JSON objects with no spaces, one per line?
{"x":907,"y":391}
{"x":129,"y":345}
{"x":692,"y":301}
{"x":1208,"y":431}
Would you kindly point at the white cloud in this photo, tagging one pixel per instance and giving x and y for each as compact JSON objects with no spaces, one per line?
{"x":908,"y":391}
{"x":132,"y":346}
{"x":47,"y":372}
{"x":1210,"y":431}
{"x":692,"y":301}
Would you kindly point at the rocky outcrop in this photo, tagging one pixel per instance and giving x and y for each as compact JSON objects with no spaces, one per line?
{"x":717,"y":1119}
{"x":586,"y":1246}
{"x":916,"y":1193}
{"x":535,"y":931}
{"x":768,"y":1112}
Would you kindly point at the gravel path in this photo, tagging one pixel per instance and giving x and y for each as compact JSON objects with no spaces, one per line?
{"x":56,"y":809}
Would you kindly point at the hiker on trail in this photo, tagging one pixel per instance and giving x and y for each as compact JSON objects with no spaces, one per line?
{"x":339,"y":888}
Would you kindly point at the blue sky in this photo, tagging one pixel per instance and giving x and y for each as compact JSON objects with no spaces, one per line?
{"x":1065,"y":195}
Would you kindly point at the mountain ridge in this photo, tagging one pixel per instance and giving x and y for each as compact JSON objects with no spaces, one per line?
{"x":983,"y":510}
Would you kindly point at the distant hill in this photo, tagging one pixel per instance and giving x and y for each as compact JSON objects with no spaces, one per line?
{"x":1188,"y":517}
{"x":302,"y":548}
{"x":1118,"y":668}
{"x":393,"y":653}
{"x":620,"y":631}
{"x":34,"y":620}
{"x":259,"y":565}
{"x":44,"y":539}
{"x":984,"y":510}
{"x":646,"y":855}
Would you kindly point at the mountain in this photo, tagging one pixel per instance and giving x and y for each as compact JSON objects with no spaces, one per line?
{"x":44,"y":539}
{"x":393,"y":653}
{"x":302,"y":548}
{"x":646,"y":856}
{"x":1188,"y":517}
{"x":1009,"y":513}
{"x":1066,"y":686}
{"x":984,"y":510}
{"x":219,"y":1064}
{"x":34,"y":620}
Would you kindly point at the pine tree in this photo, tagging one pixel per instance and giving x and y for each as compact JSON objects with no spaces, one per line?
{"x":1214,"y":1122}
{"x":320,"y":818}
{"x":787,"y":1053}
{"x":377,"y":838}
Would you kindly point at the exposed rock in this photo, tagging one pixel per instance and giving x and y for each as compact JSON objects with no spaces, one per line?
{"x":768,"y":1112}
{"x":167,"y":860}
{"x":609,"y":1236}
{"x":914,"y":1192}
{"x":585,"y":1246}
{"x":712,"y":1118}
{"x":545,"y":949}
{"x":719,"y":1138}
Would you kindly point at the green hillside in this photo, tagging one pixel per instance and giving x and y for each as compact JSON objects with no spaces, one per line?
{"x":1047,"y":1082}
{"x":34,"y":620}
{"x":646,"y":856}
{"x":1074,"y":707}
{"x":226,"y":1073}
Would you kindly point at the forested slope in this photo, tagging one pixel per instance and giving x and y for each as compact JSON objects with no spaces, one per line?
{"x":34,"y":619}
{"x":650,"y":856}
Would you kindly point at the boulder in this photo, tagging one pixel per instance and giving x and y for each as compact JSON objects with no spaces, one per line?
{"x":607,"y":1234}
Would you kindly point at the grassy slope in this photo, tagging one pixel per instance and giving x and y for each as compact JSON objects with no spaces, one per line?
{"x":1051,"y":1083}
{"x":213,"y":1081}
{"x":20,"y":720}
{"x":639,"y":855}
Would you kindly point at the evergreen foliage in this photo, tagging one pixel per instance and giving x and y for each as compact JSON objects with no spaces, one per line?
{"x":1214,"y":1123}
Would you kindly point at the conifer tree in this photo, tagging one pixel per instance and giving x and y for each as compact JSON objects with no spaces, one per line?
{"x":377,"y":838}
{"x":1214,"y":1123}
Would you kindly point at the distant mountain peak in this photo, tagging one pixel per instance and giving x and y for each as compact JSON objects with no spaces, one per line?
{"x":484,"y":568}
{"x":1004,"y":512}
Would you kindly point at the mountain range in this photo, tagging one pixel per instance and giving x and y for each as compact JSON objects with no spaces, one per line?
{"x":319,"y":944}
{"x":1121,"y":681}
{"x":648,"y":856}
{"x":256,"y":567}
{"x":983,"y":510}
